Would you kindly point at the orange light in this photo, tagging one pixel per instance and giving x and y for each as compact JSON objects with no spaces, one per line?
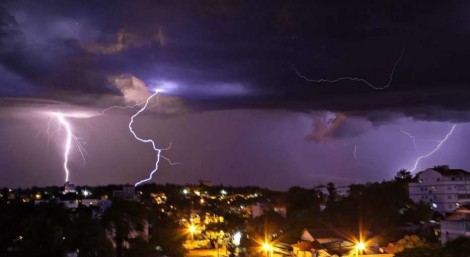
{"x":266,"y":246}
{"x":360,"y":246}
{"x":192,"y":228}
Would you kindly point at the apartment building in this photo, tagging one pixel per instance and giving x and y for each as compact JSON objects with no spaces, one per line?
{"x":443,"y":188}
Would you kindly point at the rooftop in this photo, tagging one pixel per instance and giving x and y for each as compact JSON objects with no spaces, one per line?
{"x":451,"y":172}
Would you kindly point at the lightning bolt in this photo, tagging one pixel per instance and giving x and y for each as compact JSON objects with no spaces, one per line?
{"x":147,"y":141}
{"x":69,"y":139}
{"x":441,"y":142}
{"x":412,"y":138}
{"x":355,"y":152}
{"x":364,"y":81}
{"x":122,"y":107}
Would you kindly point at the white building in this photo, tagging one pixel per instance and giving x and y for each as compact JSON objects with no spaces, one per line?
{"x":69,"y":188}
{"x":443,"y":188}
{"x":456,"y":225}
{"x":71,"y":204}
{"x":342,"y":191}
{"x":90,"y":202}
{"x":127,"y":192}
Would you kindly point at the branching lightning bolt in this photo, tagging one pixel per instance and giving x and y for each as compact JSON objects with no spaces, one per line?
{"x":70,"y":138}
{"x":148,"y":141}
{"x":441,"y":142}
{"x":412,"y":138}
{"x":354,"y":78}
{"x":123,"y":107}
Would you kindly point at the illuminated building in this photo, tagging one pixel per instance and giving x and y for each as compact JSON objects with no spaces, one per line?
{"x":69,"y":188}
{"x":444,"y":189}
{"x":456,"y":225}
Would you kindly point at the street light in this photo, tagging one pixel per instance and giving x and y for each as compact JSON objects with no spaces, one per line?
{"x":236,"y":238}
{"x":268,"y":248}
{"x":192,"y":229}
{"x":360,"y":246}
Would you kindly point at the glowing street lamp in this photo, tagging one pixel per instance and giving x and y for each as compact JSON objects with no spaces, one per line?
{"x":268,"y":248}
{"x":236,"y":238}
{"x":86,"y":193}
{"x":360,"y":246}
{"x":192,"y":229}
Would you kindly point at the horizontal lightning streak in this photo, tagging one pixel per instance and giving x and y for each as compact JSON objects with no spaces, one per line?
{"x":122,"y":107}
{"x":364,"y":81}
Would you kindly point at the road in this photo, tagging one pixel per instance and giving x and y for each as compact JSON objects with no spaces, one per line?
{"x":207,"y":253}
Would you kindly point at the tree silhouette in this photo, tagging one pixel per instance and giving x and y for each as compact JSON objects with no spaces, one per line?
{"x":120,"y":219}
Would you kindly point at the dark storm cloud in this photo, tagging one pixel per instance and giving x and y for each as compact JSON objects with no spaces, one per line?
{"x":242,"y":54}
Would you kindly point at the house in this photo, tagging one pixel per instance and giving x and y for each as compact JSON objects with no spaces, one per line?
{"x":69,"y":188}
{"x":255,"y":210}
{"x":444,"y":189}
{"x":90,"y":202}
{"x":309,"y":249}
{"x":456,"y":225}
{"x":127,"y":193}
{"x":281,"y":210}
{"x":341,"y":191}
{"x":330,"y":240}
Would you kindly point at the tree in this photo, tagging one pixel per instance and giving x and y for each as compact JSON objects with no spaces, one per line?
{"x":87,"y":236}
{"x":417,"y":212}
{"x":424,"y":251}
{"x":332,"y":196}
{"x":120,"y":219}
{"x":42,"y":231}
{"x":459,"y":247}
{"x":167,"y":236}
{"x":301,"y":199}
{"x":404,"y":175}
{"x":408,"y":242}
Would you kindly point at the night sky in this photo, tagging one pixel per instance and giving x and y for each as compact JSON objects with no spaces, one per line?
{"x":233,"y":104}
